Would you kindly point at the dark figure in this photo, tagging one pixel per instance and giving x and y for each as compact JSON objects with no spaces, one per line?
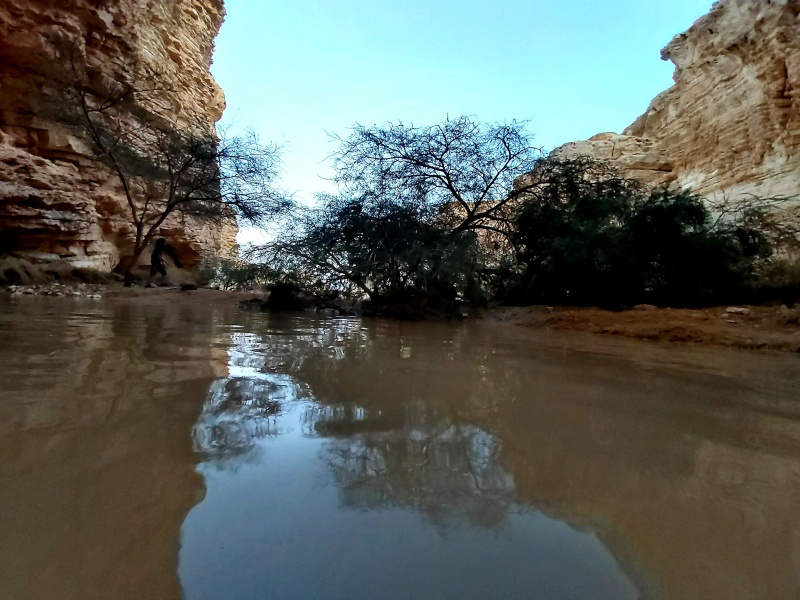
{"x":158,"y":264}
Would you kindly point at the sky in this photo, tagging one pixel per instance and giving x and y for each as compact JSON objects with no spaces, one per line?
{"x":297,"y":70}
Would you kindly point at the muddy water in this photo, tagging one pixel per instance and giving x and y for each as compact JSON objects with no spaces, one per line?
{"x":204,"y":452}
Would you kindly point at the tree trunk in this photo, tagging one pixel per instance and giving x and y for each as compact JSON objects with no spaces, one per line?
{"x":130,"y":263}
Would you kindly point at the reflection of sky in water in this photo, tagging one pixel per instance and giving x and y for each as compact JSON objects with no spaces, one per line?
{"x":334,"y":500}
{"x":242,"y":407}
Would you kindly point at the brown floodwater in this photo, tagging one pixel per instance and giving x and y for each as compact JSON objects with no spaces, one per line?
{"x":204,"y":452}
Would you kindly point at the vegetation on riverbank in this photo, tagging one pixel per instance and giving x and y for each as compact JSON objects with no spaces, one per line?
{"x":430,"y":220}
{"x":21,"y":272}
{"x":436,"y":221}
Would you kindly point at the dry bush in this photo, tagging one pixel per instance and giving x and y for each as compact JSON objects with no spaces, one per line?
{"x":19,"y":271}
{"x":780,"y":273}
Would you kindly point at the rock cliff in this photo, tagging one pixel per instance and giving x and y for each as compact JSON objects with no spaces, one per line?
{"x":731,"y":122}
{"x":55,"y":200}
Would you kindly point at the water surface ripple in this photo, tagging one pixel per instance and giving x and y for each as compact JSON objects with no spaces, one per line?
{"x":204,"y":452}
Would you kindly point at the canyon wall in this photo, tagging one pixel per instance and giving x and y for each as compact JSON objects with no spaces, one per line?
{"x":731,"y":122}
{"x":56,"y":200}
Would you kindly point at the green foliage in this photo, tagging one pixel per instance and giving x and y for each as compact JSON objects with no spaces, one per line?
{"x":429,"y":218}
{"x":236,"y":274}
{"x":393,"y":254}
{"x":404,"y":230}
{"x":778,"y":279}
{"x":593,"y":238}
{"x":780,"y":272}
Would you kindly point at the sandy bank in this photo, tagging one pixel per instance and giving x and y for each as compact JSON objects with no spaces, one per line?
{"x":762,"y":328}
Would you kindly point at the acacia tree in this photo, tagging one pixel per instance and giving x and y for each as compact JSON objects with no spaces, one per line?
{"x":164,"y":170}
{"x":393,"y":254}
{"x":462,"y":169}
{"x":345,"y":243}
{"x":402,"y":229}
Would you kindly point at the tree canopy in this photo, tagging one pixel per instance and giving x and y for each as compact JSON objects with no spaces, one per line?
{"x":164,"y":168}
{"x":461,"y":169}
{"x":430,"y":218}
{"x":592,"y":237}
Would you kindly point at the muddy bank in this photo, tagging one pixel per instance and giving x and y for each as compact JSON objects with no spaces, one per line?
{"x":759,"y":328}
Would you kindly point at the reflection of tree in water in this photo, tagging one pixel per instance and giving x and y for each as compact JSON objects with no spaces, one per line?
{"x":238,"y":412}
{"x":244,"y":407}
{"x":382,"y":450}
{"x":445,"y":470}
{"x":289,"y":345}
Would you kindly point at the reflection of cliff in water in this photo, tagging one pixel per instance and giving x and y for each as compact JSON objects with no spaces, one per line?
{"x":96,"y":468}
{"x":687,"y":472}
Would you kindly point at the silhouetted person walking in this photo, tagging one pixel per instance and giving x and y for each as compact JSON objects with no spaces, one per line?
{"x":158,"y":264}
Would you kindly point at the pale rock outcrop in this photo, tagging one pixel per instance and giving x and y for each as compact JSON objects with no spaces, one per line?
{"x":731,"y":122}
{"x":55,"y":200}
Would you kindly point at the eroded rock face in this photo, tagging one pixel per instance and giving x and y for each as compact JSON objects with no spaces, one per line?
{"x":731,"y":122}
{"x":55,"y":200}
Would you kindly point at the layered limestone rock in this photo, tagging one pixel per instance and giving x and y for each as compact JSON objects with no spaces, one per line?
{"x":56,"y":201}
{"x":731,"y":122}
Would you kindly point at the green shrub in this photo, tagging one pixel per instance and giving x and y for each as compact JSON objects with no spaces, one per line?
{"x":394,"y":254}
{"x":781,"y":272}
{"x":609,"y":242}
{"x":777,"y":280}
{"x":235,"y":274}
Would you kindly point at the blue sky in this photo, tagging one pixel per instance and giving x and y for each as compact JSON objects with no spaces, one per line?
{"x":296,"y":69}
